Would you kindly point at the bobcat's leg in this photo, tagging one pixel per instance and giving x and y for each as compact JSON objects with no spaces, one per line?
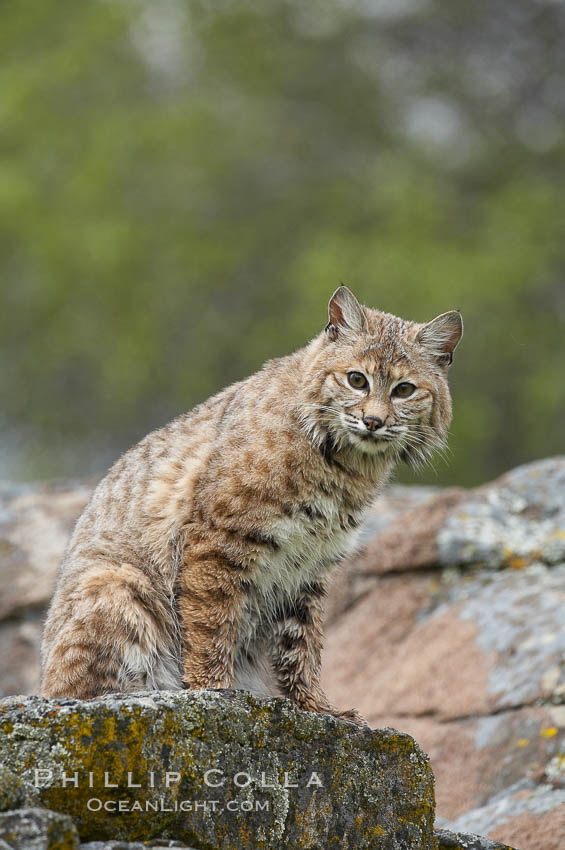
{"x":211,"y":592}
{"x":297,"y":653}
{"x":109,"y":631}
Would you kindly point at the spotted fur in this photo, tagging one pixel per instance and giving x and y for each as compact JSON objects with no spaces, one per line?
{"x":204,"y":555}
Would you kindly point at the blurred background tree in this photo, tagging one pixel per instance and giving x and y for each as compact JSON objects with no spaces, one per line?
{"x":184,"y":184}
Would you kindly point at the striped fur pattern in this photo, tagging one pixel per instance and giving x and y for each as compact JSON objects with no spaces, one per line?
{"x":204,"y":555}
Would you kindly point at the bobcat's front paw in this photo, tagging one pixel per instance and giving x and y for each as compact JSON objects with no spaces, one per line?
{"x":317,"y":703}
{"x":352,"y":716}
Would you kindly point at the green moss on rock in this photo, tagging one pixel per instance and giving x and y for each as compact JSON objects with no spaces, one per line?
{"x":463,"y":841}
{"x":286,"y":778}
{"x":37,"y":829}
{"x":15,"y":793}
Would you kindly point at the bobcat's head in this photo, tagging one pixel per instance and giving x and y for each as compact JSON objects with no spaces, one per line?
{"x":379,"y":383}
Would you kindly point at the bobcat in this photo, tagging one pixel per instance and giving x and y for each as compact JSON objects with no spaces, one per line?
{"x":204,"y":555}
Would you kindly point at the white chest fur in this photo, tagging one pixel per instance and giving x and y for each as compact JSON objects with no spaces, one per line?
{"x":308,"y":550}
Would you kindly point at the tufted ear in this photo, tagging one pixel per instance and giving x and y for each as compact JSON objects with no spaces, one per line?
{"x":345,"y":312}
{"x":441,"y":335}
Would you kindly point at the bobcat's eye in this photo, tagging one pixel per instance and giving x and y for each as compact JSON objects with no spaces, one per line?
{"x":357,"y":380}
{"x":403,"y":390}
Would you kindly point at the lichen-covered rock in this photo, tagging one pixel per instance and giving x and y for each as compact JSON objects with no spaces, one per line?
{"x":15,"y":793}
{"x":468,"y":645}
{"x":447,"y":625}
{"x":517,"y":520}
{"x":220,"y":770}
{"x":463,"y":841}
{"x":526,"y":815}
{"x":450,"y":627}
{"x":473,"y":645}
{"x":37,"y":829}
{"x":471,"y":666}
{"x":134,"y":845}
{"x":514,"y":521}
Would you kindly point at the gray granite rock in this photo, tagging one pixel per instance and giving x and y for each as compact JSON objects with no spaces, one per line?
{"x":520,"y":623}
{"x":281,"y":778}
{"x":15,"y":793}
{"x":464,"y":841}
{"x":37,"y":829}
{"x":134,"y":845}
{"x":448,"y":624}
{"x":35,"y":523}
{"x":514,"y":521}
{"x":527,"y":804}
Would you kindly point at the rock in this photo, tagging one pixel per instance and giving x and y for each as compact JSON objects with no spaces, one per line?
{"x":484,"y":643}
{"x":384,"y":545}
{"x":37,"y":829}
{"x":461,"y":645}
{"x":15,"y":793}
{"x":35,"y":523}
{"x":517,"y":520}
{"x":351,"y":787}
{"x":460,"y":841}
{"x":477,"y":759}
{"x":532,"y":816}
{"x":446,"y":624}
{"x":410,"y":540}
{"x":135,"y":845}
{"x":20,"y":642}
{"x":472,"y":668}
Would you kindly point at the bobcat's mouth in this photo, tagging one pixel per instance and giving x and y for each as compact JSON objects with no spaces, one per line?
{"x":382,"y":441}
{"x":370,"y":442}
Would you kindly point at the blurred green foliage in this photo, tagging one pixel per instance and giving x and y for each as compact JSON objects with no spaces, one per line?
{"x":184,"y":184}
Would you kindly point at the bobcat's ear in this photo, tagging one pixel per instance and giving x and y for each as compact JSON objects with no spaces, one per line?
{"x":345,"y":311}
{"x":441,"y":335}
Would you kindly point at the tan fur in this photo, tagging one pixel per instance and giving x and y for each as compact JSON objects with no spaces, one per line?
{"x":203,"y":557}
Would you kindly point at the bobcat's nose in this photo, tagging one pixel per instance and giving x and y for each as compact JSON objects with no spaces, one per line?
{"x":372,"y":422}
